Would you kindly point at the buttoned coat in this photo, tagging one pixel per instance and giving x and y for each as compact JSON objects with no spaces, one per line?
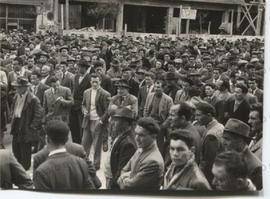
{"x":12,"y":172}
{"x":55,"y":109}
{"x":146,"y":170}
{"x":30,"y":121}
{"x":164,"y":106}
{"x":101,"y":102}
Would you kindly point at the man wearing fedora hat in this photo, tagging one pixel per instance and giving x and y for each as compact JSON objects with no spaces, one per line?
{"x":26,"y":122}
{"x":235,"y":137}
{"x":123,"y":145}
{"x":123,"y":98}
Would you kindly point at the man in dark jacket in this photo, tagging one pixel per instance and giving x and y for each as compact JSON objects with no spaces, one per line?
{"x":12,"y":172}
{"x":123,"y":146}
{"x":238,"y":107}
{"x":81,"y":83}
{"x":236,"y":136}
{"x":61,"y":171}
{"x":133,"y":84}
{"x":26,"y":122}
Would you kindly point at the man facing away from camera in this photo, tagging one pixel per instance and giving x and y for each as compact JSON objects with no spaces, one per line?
{"x":61,"y":170}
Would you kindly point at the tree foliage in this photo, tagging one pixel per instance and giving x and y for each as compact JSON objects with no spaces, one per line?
{"x":102,"y":10}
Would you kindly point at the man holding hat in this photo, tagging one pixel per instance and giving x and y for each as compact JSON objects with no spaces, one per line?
{"x":235,"y":137}
{"x":123,"y":146}
{"x":183,"y":173}
{"x":144,"y":171}
{"x":26,"y":122}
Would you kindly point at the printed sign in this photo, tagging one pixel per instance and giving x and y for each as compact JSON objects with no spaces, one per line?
{"x":188,"y":13}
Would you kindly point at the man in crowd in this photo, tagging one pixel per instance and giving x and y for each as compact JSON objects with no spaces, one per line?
{"x":26,"y":122}
{"x":211,"y":143}
{"x":123,"y":146}
{"x":231,"y":173}
{"x":12,"y":172}
{"x":81,"y":83}
{"x":256,"y":127}
{"x":235,"y":137}
{"x":95,"y":111}
{"x":61,"y":171}
{"x":183,"y":173}
{"x":124,"y":98}
{"x":145,"y":168}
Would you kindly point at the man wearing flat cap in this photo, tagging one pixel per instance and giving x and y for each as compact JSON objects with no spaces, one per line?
{"x":123,"y":98}
{"x":26,"y":122}
{"x":183,"y":173}
{"x":144,"y":171}
{"x":171,"y":87}
{"x":235,"y":137}
{"x":123,"y":145}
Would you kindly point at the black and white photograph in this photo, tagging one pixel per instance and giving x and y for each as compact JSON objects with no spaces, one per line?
{"x":133,"y":96}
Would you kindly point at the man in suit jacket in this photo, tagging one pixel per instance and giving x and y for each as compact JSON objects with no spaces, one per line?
{"x":253,"y":86}
{"x":57,"y":101}
{"x":145,"y":90}
{"x":12,"y":172}
{"x":81,"y":83}
{"x":183,"y":173}
{"x":72,"y":148}
{"x":26,"y":122}
{"x":106,"y":82}
{"x":144,"y":171}
{"x":133,"y":84}
{"x":95,"y":110}
{"x":61,"y":171}
{"x":68,"y":78}
{"x":123,"y":146}
{"x":37,"y":87}
{"x":124,"y":98}
{"x":238,"y":107}
{"x":211,"y":142}
{"x":158,"y":104}
{"x":235,"y":137}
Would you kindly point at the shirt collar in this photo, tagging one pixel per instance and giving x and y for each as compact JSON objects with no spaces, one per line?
{"x":62,"y":150}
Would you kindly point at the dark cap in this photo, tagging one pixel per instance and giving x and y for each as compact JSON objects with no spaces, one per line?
{"x":83,"y":63}
{"x":21,"y":82}
{"x":123,"y":113}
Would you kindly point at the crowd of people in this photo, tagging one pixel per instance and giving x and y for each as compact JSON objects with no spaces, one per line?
{"x":183,"y":114}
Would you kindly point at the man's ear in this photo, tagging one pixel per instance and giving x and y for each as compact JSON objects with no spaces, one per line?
{"x":192,"y":149}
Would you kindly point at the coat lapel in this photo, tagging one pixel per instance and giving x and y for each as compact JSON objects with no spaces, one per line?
{"x":27,"y":101}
